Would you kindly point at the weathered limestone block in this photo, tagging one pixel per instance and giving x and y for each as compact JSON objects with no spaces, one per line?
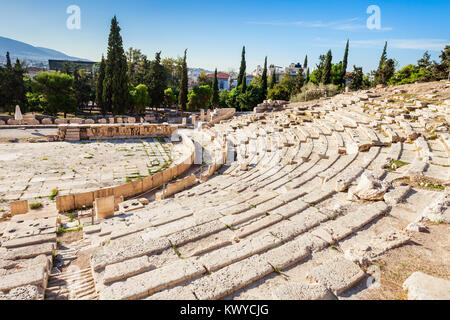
{"x":25,"y":293}
{"x":61,"y":121}
{"x":421,"y":286}
{"x":439,"y":210}
{"x":104,"y":207}
{"x":338,"y":275}
{"x":36,"y":276}
{"x":19,"y":207}
{"x":76,"y":121}
{"x":47,"y":121}
{"x":31,"y":251}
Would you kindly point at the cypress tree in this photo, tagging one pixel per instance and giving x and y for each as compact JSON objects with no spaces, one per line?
{"x":299,"y":82}
{"x":99,"y":91}
{"x":115,"y":84}
{"x":305,"y":64}
{"x":273,"y":80}
{"x":379,"y":76}
{"x":242,"y":79}
{"x":345,"y":63}
{"x":8,"y":61}
{"x":307,"y":76}
{"x":264,"y":81}
{"x":326,"y":76}
{"x":157,"y":81}
{"x":215,"y":95}
{"x":183,"y":97}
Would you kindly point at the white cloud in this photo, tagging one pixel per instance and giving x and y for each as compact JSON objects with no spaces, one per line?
{"x":412,"y":44}
{"x":344,"y":25}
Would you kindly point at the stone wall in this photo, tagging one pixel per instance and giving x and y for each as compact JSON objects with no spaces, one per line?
{"x":116,"y":131}
{"x":77,"y":201}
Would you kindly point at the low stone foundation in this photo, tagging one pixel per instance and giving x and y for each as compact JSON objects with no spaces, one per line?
{"x":114,"y":131}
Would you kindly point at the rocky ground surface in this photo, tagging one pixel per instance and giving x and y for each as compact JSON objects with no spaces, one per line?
{"x":342,"y":198}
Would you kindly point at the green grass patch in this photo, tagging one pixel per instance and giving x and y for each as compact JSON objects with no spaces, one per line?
{"x":62,"y":230}
{"x":35,"y":206}
{"x":398,"y":164}
{"x":54,"y":194}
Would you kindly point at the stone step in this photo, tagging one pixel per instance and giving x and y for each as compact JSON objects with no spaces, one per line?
{"x":153,"y":281}
{"x":22,"y":242}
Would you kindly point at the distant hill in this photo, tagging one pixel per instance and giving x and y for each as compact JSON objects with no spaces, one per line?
{"x":29,"y":53}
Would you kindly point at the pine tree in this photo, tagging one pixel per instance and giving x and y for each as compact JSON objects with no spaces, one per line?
{"x":99,"y":91}
{"x":115,"y":84}
{"x":183,"y":97}
{"x":242,"y":79}
{"x":305,"y":64}
{"x":264,"y":82}
{"x":345,"y":63}
{"x":215,"y":95}
{"x":273,"y":80}
{"x":383,"y":57}
{"x":386,"y":68}
{"x":326,"y":76}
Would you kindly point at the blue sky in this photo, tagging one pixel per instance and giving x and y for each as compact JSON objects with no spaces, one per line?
{"x":215,"y":31}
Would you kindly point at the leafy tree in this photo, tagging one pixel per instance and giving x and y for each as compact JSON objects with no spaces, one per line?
{"x":215,"y":95}
{"x":140,"y":98}
{"x":199,"y":98}
{"x":223,"y":96}
{"x":183,"y":96}
{"x":408,"y":74}
{"x":356,"y":79}
{"x":12,"y":85}
{"x":135,"y":61}
{"x":36,"y":102}
{"x":169,"y":98}
{"x":326,"y":75}
{"x":203,"y":79}
{"x":307,"y":76}
{"x":250,"y":98}
{"x":18,"y":93}
{"x":115,"y":84}
{"x":336,"y":74}
{"x":283,"y":90}
{"x":231,"y":98}
{"x":157,"y":81}
{"x":264,"y":82}
{"x":242,"y":78}
{"x":99,"y":91}
{"x":57,"y":92}
{"x":174,"y":69}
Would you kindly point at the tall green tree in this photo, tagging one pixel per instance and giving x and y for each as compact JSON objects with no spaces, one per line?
{"x":345,"y":64}
{"x":169,"y":98}
{"x":8,"y":60}
{"x":356,"y":79}
{"x":242,"y":78}
{"x":157,"y":81}
{"x":326,"y":76}
{"x":115,"y":84}
{"x":140,"y":98}
{"x":183,"y":96}
{"x":305,"y":64}
{"x":99,"y":91}
{"x":199,"y":98}
{"x":215,"y":95}
{"x":299,"y":82}
{"x":307,"y":76}
{"x":264,"y":81}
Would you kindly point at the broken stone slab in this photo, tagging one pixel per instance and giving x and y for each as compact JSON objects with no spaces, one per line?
{"x":302,"y":291}
{"x":416,"y":227}
{"x":369,"y":188}
{"x":338,"y":275}
{"x":421,"y":286}
{"x":35,"y":276}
